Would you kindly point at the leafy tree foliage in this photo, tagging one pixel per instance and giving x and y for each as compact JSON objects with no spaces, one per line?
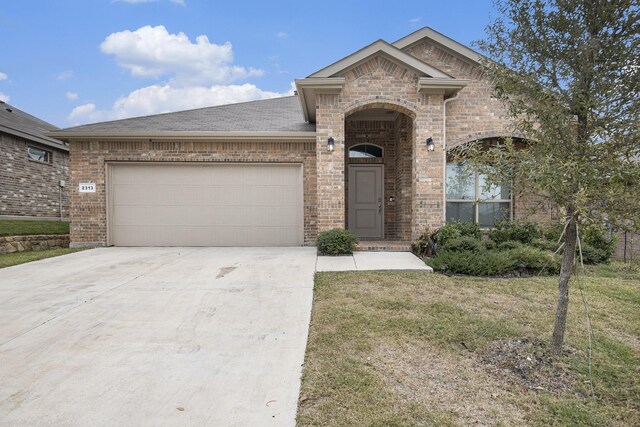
{"x":569,"y":73}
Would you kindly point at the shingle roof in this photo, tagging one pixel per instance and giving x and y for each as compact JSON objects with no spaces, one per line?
{"x":16,"y":122}
{"x":269,"y":115}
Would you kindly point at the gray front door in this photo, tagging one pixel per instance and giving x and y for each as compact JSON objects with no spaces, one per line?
{"x":365,"y":201}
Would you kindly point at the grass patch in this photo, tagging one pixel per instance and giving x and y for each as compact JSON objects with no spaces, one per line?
{"x":407,"y":348}
{"x":24,"y":227}
{"x":7,"y":260}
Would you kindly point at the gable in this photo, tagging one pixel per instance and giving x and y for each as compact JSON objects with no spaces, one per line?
{"x":440,"y":40}
{"x":385,"y":50}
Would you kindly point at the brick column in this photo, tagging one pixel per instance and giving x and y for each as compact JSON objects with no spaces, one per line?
{"x":428,"y":170}
{"x":330,"y":165}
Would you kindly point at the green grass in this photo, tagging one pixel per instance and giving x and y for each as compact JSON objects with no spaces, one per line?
{"x":399,"y":348}
{"x":7,"y":260}
{"x":24,"y":227}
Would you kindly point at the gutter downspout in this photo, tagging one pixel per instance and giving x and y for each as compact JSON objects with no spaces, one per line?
{"x":444,"y":156}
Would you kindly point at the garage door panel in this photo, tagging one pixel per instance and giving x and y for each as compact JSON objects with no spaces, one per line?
{"x":205,"y":205}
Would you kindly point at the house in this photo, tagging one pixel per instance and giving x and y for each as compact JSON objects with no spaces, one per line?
{"x":362,"y":145}
{"x":34,"y":168}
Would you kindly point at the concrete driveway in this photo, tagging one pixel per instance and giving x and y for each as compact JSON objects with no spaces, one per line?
{"x":155,"y":336}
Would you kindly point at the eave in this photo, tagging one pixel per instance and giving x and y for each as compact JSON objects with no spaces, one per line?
{"x":185,"y":136}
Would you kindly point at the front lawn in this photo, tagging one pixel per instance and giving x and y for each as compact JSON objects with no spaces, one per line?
{"x":399,"y":348}
{"x":15,"y":258}
{"x":24,"y":227}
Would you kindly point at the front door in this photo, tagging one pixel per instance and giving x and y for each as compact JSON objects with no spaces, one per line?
{"x":365,"y":201}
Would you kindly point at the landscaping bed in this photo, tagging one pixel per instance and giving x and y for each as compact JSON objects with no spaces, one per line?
{"x":400,"y":348}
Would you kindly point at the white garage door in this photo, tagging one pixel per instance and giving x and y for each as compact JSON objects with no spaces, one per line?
{"x":204,"y":204}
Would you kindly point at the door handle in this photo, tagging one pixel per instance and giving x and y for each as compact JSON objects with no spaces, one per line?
{"x":379,"y":206}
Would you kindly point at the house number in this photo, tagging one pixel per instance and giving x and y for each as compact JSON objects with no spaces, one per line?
{"x":87,"y":187}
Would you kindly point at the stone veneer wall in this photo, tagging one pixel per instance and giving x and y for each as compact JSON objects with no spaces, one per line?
{"x":89,"y":158}
{"x":10,"y":244}
{"x":28,"y":187}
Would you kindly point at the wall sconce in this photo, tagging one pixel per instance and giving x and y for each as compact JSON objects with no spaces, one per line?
{"x":331,"y":144}
{"x":430,"y":145}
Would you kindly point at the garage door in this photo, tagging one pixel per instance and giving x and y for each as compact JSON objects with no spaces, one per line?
{"x":180,"y":204}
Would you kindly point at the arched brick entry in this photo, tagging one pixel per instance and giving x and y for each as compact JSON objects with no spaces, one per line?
{"x":391,"y":127}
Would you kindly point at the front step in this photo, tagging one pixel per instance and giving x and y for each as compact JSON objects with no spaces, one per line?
{"x":383,"y":246}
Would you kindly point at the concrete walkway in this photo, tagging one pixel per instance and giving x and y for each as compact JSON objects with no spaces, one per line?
{"x":155,"y":336}
{"x":361,"y":261}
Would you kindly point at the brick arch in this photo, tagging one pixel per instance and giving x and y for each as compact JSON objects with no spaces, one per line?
{"x":402,"y":106}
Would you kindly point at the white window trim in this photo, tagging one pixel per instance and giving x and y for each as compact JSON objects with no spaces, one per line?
{"x":475,"y":201}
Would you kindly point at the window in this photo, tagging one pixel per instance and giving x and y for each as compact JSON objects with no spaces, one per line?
{"x":470,"y":199}
{"x":39,"y":155}
{"x":365,"y":151}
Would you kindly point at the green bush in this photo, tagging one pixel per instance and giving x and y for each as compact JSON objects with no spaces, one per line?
{"x":523,"y":232}
{"x":336,"y":242}
{"x":489,"y":244}
{"x":598,"y":238}
{"x":508,"y":245}
{"x":553,"y":232}
{"x":534,"y":260}
{"x":463,"y":244}
{"x":455,"y":231}
{"x":592,"y":256}
{"x":489,"y":263}
{"x":545,"y":245}
{"x":523,"y":259}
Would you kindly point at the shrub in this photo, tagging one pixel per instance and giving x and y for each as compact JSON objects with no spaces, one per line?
{"x":489,"y":244}
{"x":553,"y":232}
{"x":336,"y":242}
{"x":523,"y":232}
{"x":424,"y":246}
{"x":534,"y":260}
{"x":597,"y":237}
{"x":546,"y":245}
{"x":487,"y":263}
{"x":463,"y":244}
{"x":456,"y":230}
{"x":508,"y":245}
{"x":592,"y":255}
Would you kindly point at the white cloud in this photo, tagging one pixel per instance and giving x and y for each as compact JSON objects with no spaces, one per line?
{"x":65,"y":75}
{"x":154,"y":52}
{"x":71,"y":96}
{"x":415,"y":21}
{"x":282,"y":35}
{"x":166,"y":98}
{"x":4,"y":98}
{"x":3,"y":76}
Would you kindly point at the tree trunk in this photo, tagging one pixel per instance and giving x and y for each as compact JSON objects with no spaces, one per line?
{"x":566,"y":270}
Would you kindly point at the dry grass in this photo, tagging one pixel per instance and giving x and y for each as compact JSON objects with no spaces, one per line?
{"x":424,"y":349}
{"x":16,"y":258}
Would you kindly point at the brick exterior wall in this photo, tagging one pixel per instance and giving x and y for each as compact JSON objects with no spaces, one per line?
{"x":380,"y":83}
{"x":28,"y":187}
{"x":89,"y":159}
{"x":414,"y":175}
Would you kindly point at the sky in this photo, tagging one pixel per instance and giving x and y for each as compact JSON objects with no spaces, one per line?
{"x":72,"y":62}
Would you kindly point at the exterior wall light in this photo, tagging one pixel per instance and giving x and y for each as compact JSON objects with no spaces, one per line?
{"x":331,"y":144}
{"x":430,"y":145}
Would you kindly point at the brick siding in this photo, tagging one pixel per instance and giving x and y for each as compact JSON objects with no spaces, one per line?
{"x":88,"y":164}
{"x":28,"y":187}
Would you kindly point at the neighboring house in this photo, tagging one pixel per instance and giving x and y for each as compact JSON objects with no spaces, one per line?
{"x":362,"y":145}
{"x":34,"y":168}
